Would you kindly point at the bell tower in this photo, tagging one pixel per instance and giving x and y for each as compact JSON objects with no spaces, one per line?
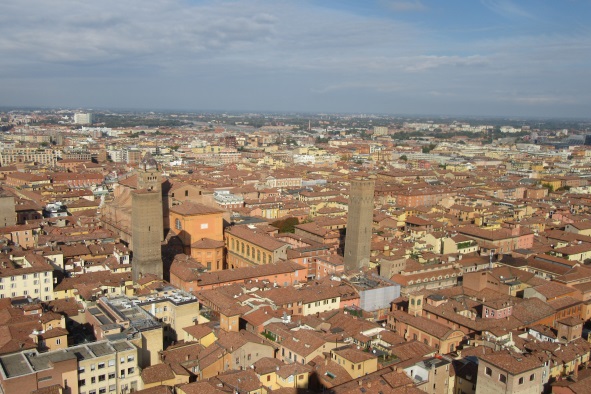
{"x":415,"y":304}
{"x":147,"y":230}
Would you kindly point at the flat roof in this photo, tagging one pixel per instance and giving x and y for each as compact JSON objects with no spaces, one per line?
{"x":15,"y":365}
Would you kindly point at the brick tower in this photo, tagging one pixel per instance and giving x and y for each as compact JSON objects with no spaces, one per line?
{"x":146,"y":220}
{"x":359,"y":223}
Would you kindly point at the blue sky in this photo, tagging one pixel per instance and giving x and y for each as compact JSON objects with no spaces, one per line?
{"x":472,"y":57}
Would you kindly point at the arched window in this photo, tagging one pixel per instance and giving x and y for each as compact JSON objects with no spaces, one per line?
{"x":177,"y":224}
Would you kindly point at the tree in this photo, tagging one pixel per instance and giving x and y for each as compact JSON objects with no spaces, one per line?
{"x":286,"y":225}
{"x":404,"y":158}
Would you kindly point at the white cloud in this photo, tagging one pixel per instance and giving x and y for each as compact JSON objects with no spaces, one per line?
{"x":266,"y":52}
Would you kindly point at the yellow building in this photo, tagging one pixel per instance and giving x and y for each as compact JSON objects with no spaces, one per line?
{"x":249,"y":247}
{"x":274,"y":374}
{"x":174,"y":308}
{"x":203,"y":334}
{"x":356,"y":362}
{"x":106,"y":367}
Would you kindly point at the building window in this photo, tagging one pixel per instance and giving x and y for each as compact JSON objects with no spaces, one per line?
{"x":487,"y":371}
{"x":502,"y":378}
{"x":532,"y":377}
{"x":521,"y":380}
{"x":177,"y":224}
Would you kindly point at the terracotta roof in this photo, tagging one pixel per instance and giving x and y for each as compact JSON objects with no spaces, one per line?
{"x":189,"y":208}
{"x":157,"y":373}
{"x":513,"y":363}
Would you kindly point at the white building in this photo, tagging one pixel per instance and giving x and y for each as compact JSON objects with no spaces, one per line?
{"x":83,"y":118}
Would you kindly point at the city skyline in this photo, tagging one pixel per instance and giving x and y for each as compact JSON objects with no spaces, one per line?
{"x":481,"y":58}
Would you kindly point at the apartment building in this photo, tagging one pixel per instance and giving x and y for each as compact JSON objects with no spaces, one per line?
{"x":174,"y":308}
{"x":30,"y":275}
{"x":97,"y":368}
{"x":106,"y":367}
{"x":251,"y":247}
{"x":117,"y":317}
{"x":16,"y":155}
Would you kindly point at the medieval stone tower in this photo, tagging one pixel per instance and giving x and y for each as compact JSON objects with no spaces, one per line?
{"x":359,"y":223}
{"x":146,"y":220}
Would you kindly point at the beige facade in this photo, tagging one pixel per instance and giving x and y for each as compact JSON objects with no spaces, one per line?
{"x":356,"y":362}
{"x":29,"y":276}
{"x":506,"y":373}
{"x":105,"y":367}
{"x":10,"y":156}
{"x":176,"y":309}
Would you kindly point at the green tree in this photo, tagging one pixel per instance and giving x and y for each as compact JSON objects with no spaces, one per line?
{"x":286,"y":225}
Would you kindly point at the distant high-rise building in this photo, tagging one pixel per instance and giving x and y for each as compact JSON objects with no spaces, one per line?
{"x":359,"y":223}
{"x":146,"y":221}
{"x":133,"y":156}
{"x":83,"y":118}
{"x":380,"y":130}
{"x":230,"y":141}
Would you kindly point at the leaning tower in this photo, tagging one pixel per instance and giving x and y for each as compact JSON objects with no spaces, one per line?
{"x":359,"y":223}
